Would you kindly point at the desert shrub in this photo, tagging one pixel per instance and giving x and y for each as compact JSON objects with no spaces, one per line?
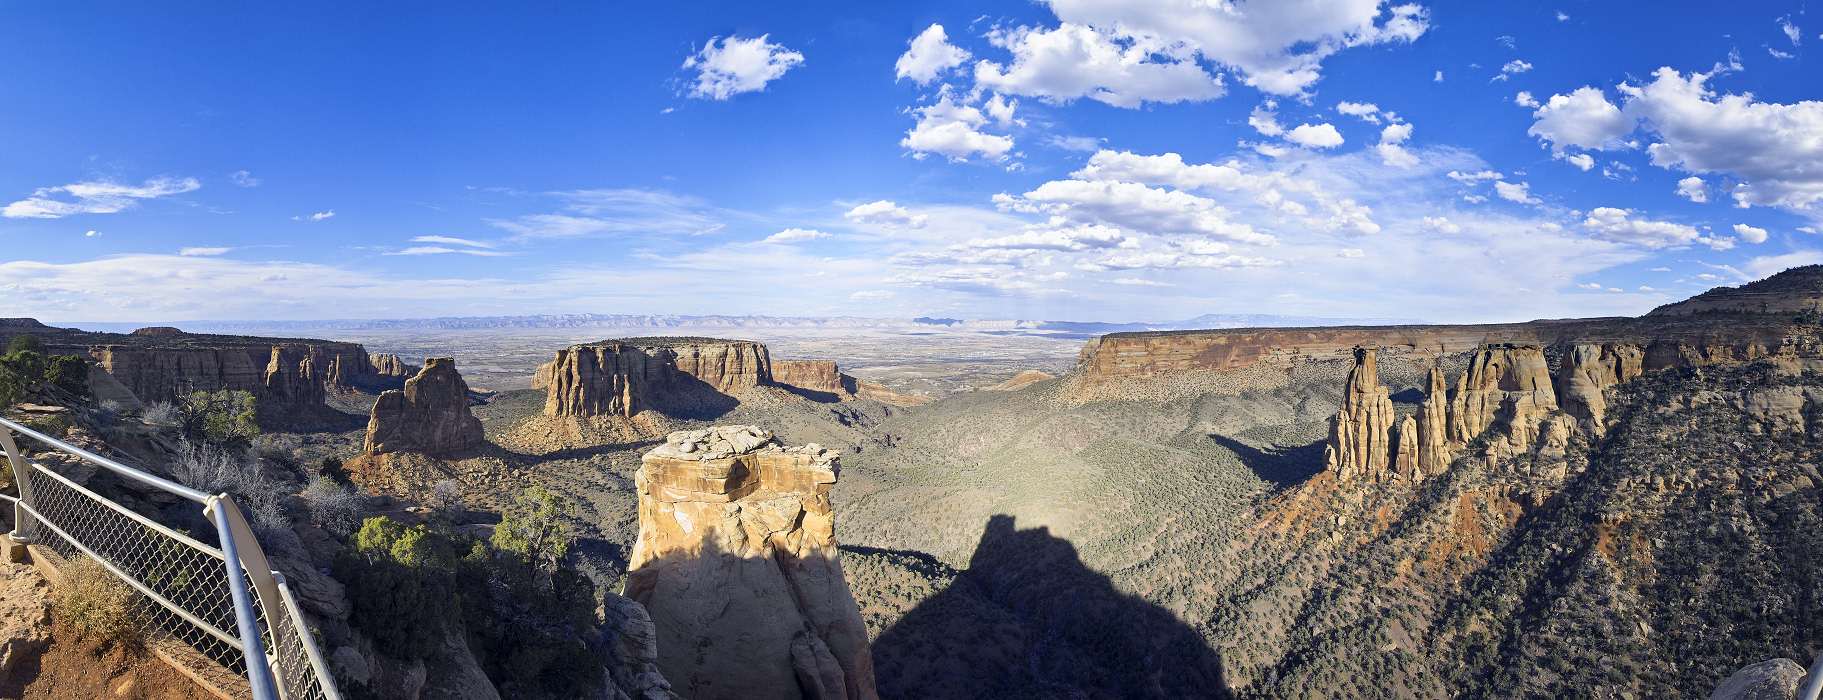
{"x":25,"y":371}
{"x":68,"y":373}
{"x":445,"y":495}
{"x":220,"y":469}
{"x":97,"y":605}
{"x":219,"y":416}
{"x":333,"y":506}
{"x":162,"y":414}
{"x":24,"y":343}
{"x":531,"y":626}
{"x":536,"y":527}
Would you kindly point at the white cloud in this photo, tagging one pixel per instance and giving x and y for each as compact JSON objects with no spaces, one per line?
{"x":1750,"y":234}
{"x":1525,"y":99}
{"x":1791,"y":30}
{"x":1769,"y":265}
{"x":953,"y":130}
{"x":452,"y":240}
{"x":94,"y":197}
{"x":91,"y":233}
{"x":1138,"y":282}
{"x":1515,"y":192}
{"x":1441,"y":224}
{"x":872,"y":295}
{"x":1076,"y":61}
{"x":616,"y":212}
{"x":1265,"y":120}
{"x":1618,"y":225}
{"x":1773,"y":148}
{"x":318,"y":216}
{"x":793,"y":235}
{"x":1351,"y":253}
{"x":930,"y":55}
{"x":1134,"y":206}
{"x":1280,"y":194}
{"x":1173,"y":260}
{"x":1438,"y":77}
{"x":1693,"y":189}
{"x":1812,"y":230}
{"x":1593,"y":286}
{"x":199,"y":251}
{"x":1515,"y":67}
{"x":1057,"y":236}
{"x":885,"y":213}
{"x":729,"y":66}
{"x":1470,"y":178}
{"x":1277,"y":47}
{"x":1366,"y":111}
{"x":1389,"y":148}
{"x":447,"y":250}
{"x":1083,"y":144}
{"x":1315,"y":136}
{"x":1584,"y":118}
{"x":242,"y":178}
{"x":1562,"y":17}
{"x":1582,"y":161}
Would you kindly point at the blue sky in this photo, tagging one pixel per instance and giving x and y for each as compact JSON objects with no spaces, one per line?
{"x":1071,"y":159}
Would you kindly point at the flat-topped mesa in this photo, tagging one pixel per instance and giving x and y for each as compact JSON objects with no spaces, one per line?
{"x":1796,"y":291}
{"x":624,"y":377}
{"x":736,"y":561}
{"x":810,"y":375}
{"x":429,"y":416}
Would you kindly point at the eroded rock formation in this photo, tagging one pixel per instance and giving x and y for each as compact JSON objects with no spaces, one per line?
{"x":736,"y":562}
{"x":386,"y":364}
{"x":429,"y":416}
{"x":810,"y":375}
{"x":624,"y":377}
{"x":1358,"y":439}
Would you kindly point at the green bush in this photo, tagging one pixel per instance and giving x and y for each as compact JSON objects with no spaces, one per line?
{"x":223,"y":417}
{"x":25,"y":371}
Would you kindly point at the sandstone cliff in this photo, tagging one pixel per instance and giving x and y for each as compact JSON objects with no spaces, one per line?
{"x":810,"y":375}
{"x":624,"y":377}
{"x":387,"y":364}
{"x":1358,"y":446}
{"x":430,"y":415}
{"x":736,"y":562}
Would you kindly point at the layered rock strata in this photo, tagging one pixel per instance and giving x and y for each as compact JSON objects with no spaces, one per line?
{"x":624,"y":377}
{"x":429,"y":416}
{"x":386,"y":364}
{"x":1507,"y":400}
{"x":736,"y":562}
{"x":810,"y":375}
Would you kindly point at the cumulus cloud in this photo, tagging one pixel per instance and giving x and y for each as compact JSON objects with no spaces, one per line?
{"x":1077,"y":61}
{"x":1791,"y":31}
{"x":1525,"y":99}
{"x":729,"y":66}
{"x":1622,"y":226}
{"x":1389,"y":148}
{"x":1441,"y":224}
{"x":242,"y":178}
{"x":1693,"y":189}
{"x":1512,"y":68}
{"x":1750,"y":234}
{"x":1310,"y":201}
{"x":794,"y":235}
{"x":1265,"y":120}
{"x":1315,"y":136}
{"x":1131,"y":205}
{"x":1515,"y":192}
{"x":955,"y":131}
{"x":95,"y":197}
{"x":885,"y":213}
{"x":1772,"y":148}
{"x":1057,"y":236}
{"x":1584,"y":119}
{"x":1582,"y":161}
{"x":317,"y":216}
{"x":930,"y":55}
{"x":1366,"y":111}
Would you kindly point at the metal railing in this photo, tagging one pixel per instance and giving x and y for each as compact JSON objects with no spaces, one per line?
{"x":225,"y":603}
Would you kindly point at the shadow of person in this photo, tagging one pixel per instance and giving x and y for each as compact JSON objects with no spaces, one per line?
{"x":1028,"y":619}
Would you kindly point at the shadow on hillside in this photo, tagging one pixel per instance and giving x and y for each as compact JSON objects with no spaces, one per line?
{"x":694,"y":399}
{"x":1028,"y":619}
{"x":1282,"y":466}
{"x":811,"y":394}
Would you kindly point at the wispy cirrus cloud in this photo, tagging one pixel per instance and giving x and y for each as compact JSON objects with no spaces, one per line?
{"x":95,"y":197}
{"x":617,"y":212}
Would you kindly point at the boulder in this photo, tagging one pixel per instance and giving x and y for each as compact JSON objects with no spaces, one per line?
{"x":25,"y":614}
{"x":1777,"y":679}
{"x":736,"y":562}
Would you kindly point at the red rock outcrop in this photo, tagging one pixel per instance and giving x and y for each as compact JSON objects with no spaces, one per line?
{"x":810,"y":375}
{"x":429,"y":416}
{"x":624,"y":377}
{"x":736,"y":561}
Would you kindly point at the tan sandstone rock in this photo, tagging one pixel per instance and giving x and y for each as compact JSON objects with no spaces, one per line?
{"x":811,"y":375}
{"x":429,"y":416}
{"x":1358,"y":434}
{"x":736,"y":562}
{"x":25,"y":614}
{"x":624,"y":377}
{"x":1587,"y":371}
{"x":1433,"y":426}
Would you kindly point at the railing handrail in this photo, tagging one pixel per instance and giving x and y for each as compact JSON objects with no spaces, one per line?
{"x":238,"y":548}
{"x":138,"y":475}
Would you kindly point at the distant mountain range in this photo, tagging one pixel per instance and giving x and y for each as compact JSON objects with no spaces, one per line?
{"x":1064,"y":328}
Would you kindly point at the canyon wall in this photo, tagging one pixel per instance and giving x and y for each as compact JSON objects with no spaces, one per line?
{"x":810,"y":375}
{"x":624,"y":377}
{"x":736,"y":561}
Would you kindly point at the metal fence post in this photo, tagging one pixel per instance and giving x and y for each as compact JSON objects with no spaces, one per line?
{"x":24,"y":527}
{"x":260,"y":678}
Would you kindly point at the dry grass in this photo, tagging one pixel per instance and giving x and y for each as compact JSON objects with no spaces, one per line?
{"x":97,"y":605}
